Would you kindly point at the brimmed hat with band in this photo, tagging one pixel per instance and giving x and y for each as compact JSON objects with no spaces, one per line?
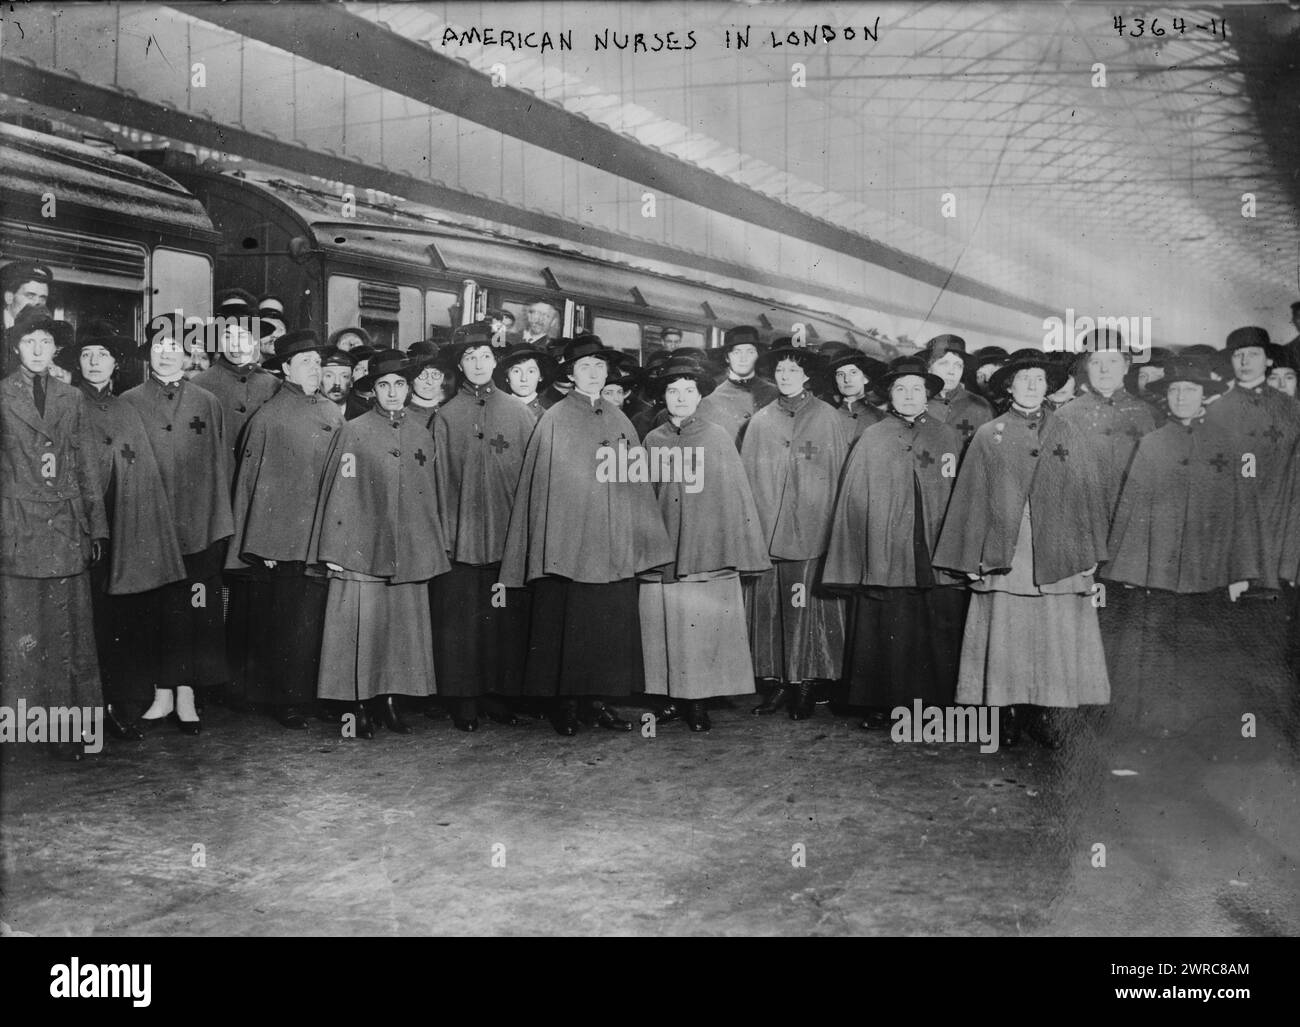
{"x":386,"y":362}
{"x":785,"y":349}
{"x":1025,"y":360}
{"x":1187,"y":369}
{"x":38,"y":319}
{"x":290,"y":345}
{"x":546,"y":364}
{"x":903,"y":367}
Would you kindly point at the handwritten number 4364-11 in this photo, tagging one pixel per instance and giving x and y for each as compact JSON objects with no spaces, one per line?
{"x":1140,"y":27}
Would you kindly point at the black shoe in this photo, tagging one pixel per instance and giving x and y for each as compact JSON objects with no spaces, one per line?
{"x":119,"y":728}
{"x":435,"y":710}
{"x":1043,"y":729}
{"x":1008,"y":727}
{"x":498,"y":712}
{"x":386,"y":708}
{"x":774,"y":700}
{"x":668,"y":713}
{"x":365,"y":726}
{"x":697,"y":719}
{"x":804,"y":702}
{"x":291,"y":717}
{"x":604,"y":716}
{"x":188,"y":727}
{"x":565,"y":721}
{"x":875,"y":720}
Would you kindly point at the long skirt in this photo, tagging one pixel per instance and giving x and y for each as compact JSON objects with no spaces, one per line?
{"x":126,"y":643}
{"x":47,"y":642}
{"x":289,"y":608}
{"x":584,"y":639}
{"x":248,"y":596}
{"x":904,"y":644}
{"x":478,"y":647}
{"x":796,"y":634}
{"x":1186,"y":662}
{"x":694,"y":637}
{"x":1043,"y":650}
{"x":191,"y":640}
{"x":377,"y":639}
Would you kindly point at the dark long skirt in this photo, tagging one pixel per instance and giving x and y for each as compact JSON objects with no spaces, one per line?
{"x":477,"y":647}
{"x":47,"y":642}
{"x":126,"y":644}
{"x":584,"y":639}
{"x":290,"y":609}
{"x":904,"y":644}
{"x":796,"y":643}
{"x":191,"y":640}
{"x":248,"y":598}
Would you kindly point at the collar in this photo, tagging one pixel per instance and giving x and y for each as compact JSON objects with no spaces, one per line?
{"x":1033,"y":417}
{"x":1254,"y":386}
{"x":96,"y":392}
{"x":524,"y":399}
{"x":747,"y":380}
{"x":166,"y":382}
{"x":477,"y":391}
{"x":575,"y":391}
{"x":792,"y":404}
{"x":686,"y":423}
{"x":29,"y":378}
{"x":293,"y":387}
{"x":921,"y":418}
{"x":424,"y":404}
{"x":847,"y":404}
{"x":229,"y":365}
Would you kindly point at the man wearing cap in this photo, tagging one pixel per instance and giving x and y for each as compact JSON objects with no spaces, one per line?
{"x":1282,"y":370}
{"x":479,"y":438}
{"x":1187,"y":536}
{"x":25,"y":285}
{"x":359,"y":398}
{"x":271,"y":325}
{"x":579,"y":535}
{"x":905,"y":618}
{"x":502,"y":324}
{"x":741,"y":392}
{"x":377,"y":529}
{"x":52,"y":527}
{"x":276,"y":489}
{"x":1294,"y":344}
{"x":1111,"y":420}
{"x":336,"y":377}
{"x":987,"y":359}
{"x":523,"y":372}
{"x":1266,"y":425}
{"x":946,"y":356}
{"x":854,"y":374}
{"x":185,"y":426}
{"x":144,"y":553}
{"x":793,"y":451}
{"x":670,"y":338}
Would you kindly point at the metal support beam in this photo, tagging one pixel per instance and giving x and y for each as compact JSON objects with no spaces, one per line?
{"x":331,"y":36}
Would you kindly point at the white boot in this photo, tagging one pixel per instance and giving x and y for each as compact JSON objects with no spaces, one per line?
{"x":185,"y":711}
{"x":162,"y":705}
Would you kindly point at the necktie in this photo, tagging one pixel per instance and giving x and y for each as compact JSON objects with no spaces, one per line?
{"x":38,"y":393}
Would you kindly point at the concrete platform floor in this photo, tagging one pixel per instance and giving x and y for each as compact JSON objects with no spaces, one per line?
{"x":307,"y":833}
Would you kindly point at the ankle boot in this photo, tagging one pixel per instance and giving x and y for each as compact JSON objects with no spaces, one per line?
{"x":697,"y":718}
{"x":386,"y":709}
{"x":805,"y":700}
{"x":773,"y":702}
{"x":365,"y":727}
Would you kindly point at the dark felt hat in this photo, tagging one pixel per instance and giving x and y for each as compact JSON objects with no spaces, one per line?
{"x":386,"y":362}
{"x":587,"y":346}
{"x":741,"y":334}
{"x":38,"y":318}
{"x":1023,"y":360}
{"x":902,"y":367}
{"x":785,"y":349}
{"x":871,"y":368}
{"x":1188,"y":369}
{"x":1280,"y":356}
{"x":290,"y":345}
{"x":101,"y":333}
{"x":1242,"y":338}
{"x":1295,"y":307}
{"x":22,"y":271}
{"x":941,"y":345}
{"x":356,"y":330}
{"x":671,"y":370}
{"x":990,"y":355}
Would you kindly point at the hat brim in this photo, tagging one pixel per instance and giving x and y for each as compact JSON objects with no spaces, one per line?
{"x":1057,"y":375}
{"x":61,"y":330}
{"x":409,"y":372}
{"x":882,"y":385}
{"x":277,"y":361}
{"x":658,"y":384}
{"x":872,"y":368}
{"x":811,"y":362}
{"x":1161,"y":385}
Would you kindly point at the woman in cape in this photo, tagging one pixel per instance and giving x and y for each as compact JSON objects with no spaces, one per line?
{"x":793,"y":452}
{"x":693,"y":631}
{"x":523,"y":373}
{"x":377,"y":530}
{"x":905,"y":618}
{"x":1186,"y":541}
{"x":1027,"y":524}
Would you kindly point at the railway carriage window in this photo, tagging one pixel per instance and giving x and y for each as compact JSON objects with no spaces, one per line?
{"x":181,"y":281}
{"x":439,"y":307}
{"x":619,"y":335}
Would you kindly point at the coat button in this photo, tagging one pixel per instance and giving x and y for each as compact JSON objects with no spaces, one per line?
{"x":243,"y":379}
{"x":49,"y":524}
{"x":328,"y":428}
{"x":786,"y":444}
{"x":167,"y":427}
{"x":395,"y":452}
{"x":241,"y":409}
{"x":1033,"y":452}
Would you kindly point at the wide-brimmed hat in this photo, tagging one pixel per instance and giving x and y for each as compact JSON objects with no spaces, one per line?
{"x":785,"y":349}
{"x":385,"y":362}
{"x":1026,"y":359}
{"x":1280,"y":356}
{"x":517,"y":354}
{"x":990,"y":355}
{"x":588,"y":346}
{"x":942,"y":345}
{"x":1188,"y":369}
{"x":903,"y":367}
{"x":101,"y":333}
{"x":1252,"y":335}
{"x":359,"y":332}
{"x":870,"y":367}
{"x":293,"y":343}
{"x":38,"y":318}
{"x":681,"y":367}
